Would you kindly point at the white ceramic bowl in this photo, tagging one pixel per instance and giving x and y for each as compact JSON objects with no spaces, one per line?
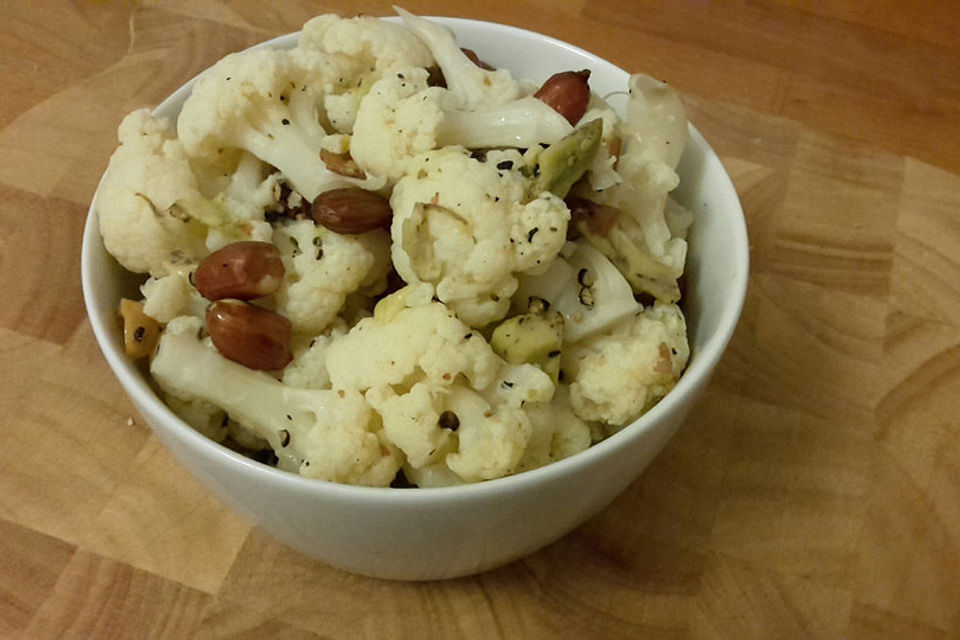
{"x":440,"y":533}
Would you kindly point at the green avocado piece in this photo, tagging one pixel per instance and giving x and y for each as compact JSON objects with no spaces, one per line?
{"x":534,"y":337}
{"x":564,"y":162}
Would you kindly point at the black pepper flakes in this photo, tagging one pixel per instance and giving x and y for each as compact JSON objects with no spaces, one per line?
{"x":139,"y":333}
{"x":584,"y":278}
{"x":586,"y":297}
{"x":532,"y":233}
{"x":285,"y":121}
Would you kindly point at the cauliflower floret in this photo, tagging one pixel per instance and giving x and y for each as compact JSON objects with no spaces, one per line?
{"x":172,"y":295}
{"x":424,"y":341}
{"x":411,"y":420}
{"x":491,"y":439}
{"x":401,"y":116}
{"x":656,"y":121}
{"x":374,"y":45}
{"x":470,"y":87}
{"x":617,"y":375}
{"x":308,"y":369}
{"x":556,"y":432}
{"x":647,"y":241}
{"x":244,"y":199}
{"x":268,"y":102}
{"x":249,"y":192}
{"x":326,"y":434}
{"x":397,"y":119}
{"x":322,"y":268}
{"x":602,"y":173}
{"x":208,"y":419}
{"x":467,"y":227}
{"x":147,"y":175}
{"x":433,"y":381}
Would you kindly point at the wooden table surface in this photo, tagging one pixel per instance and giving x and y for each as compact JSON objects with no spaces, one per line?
{"x":814,"y":493}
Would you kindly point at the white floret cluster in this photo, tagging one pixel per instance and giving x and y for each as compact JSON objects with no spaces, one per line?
{"x":399,"y":368}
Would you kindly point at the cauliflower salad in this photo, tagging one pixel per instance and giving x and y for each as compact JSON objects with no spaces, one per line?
{"x":374,"y":259}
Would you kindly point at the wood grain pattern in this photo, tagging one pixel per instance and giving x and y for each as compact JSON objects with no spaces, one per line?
{"x":815,"y":492}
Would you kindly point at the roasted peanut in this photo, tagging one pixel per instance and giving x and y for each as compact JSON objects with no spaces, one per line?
{"x":242,"y":270}
{"x":436,"y":79}
{"x":567,"y":93}
{"x":587,"y":215}
{"x":342,"y":163}
{"x":253,"y":336}
{"x":352,"y":210}
{"x":140,"y":331}
{"x":475,"y":59}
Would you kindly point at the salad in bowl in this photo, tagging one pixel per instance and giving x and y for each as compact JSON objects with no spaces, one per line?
{"x":372,"y":258}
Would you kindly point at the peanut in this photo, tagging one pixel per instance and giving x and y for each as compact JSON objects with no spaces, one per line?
{"x":242,"y":270}
{"x":250,"y":335}
{"x":140,"y":332}
{"x":352,"y":210}
{"x":591,"y":216}
{"x":567,"y":93}
{"x":475,"y":59}
{"x":436,"y":79}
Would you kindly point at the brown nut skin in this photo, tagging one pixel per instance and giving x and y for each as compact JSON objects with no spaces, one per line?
{"x":242,"y":270}
{"x":475,"y":59}
{"x":352,"y":210}
{"x":250,"y":335}
{"x":596,"y":218}
{"x":567,"y":93}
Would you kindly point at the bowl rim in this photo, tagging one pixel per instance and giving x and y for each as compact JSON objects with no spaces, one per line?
{"x":697,"y":373}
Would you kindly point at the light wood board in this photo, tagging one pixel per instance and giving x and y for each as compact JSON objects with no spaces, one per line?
{"x":815,"y":492}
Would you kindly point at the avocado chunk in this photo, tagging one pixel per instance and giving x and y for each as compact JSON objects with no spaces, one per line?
{"x":564,"y":162}
{"x":534,"y":337}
